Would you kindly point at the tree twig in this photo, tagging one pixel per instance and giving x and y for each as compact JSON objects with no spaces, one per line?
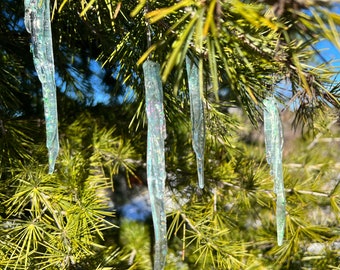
{"x":318,"y":136}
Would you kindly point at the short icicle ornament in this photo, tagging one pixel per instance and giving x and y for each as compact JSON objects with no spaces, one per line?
{"x":38,"y":24}
{"x":156,"y":158}
{"x":274,"y":143}
{"x":197,"y":118}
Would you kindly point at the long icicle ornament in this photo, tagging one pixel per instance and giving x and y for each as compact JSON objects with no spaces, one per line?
{"x":38,"y":24}
{"x":274,"y":143}
{"x":197,"y":118}
{"x":156,"y":158}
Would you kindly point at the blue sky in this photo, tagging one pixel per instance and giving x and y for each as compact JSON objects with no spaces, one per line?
{"x":329,"y":51}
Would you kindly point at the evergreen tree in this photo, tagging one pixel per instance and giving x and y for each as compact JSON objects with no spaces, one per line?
{"x":76,"y":218}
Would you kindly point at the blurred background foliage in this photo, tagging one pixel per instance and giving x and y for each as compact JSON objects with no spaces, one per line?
{"x":93,"y":212}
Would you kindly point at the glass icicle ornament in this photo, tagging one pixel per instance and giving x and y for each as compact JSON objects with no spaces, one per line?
{"x":38,"y":24}
{"x":156,"y":157}
{"x":274,"y":143}
{"x":197,"y":117}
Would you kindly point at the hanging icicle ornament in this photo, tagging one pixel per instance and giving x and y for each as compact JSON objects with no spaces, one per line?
{"x":274,"y":143}
{"x":156,"y":158}
{"x":38,"y":24}
{"x":197,"y":118}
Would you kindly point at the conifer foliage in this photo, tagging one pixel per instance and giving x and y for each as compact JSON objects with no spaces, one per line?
{"x":93,"y":212}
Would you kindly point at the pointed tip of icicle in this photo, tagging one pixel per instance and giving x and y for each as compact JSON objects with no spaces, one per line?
{"x":53,"y":154}
{"x":200,"y":173}
{"x":280,"y":236}
{"x":280,"y":217}
{"x":200,"y":180}
{"x":51,"y":168}
{"x":280,"y":233}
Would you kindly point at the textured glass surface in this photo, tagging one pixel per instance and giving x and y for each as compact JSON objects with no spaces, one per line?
{"x":155,"y":157}
{"x":197,"y":118}
{"x":38,"y":24}
{"x":274,"y":144}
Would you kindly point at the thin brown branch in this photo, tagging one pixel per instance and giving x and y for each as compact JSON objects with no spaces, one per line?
{"x":307,"y":192}
{"x":318,"y":136}
{"x":287,"y":190}
{"x":311,"y":167}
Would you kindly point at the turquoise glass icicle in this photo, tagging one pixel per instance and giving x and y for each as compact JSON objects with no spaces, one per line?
{"x":274,"y":144}
{"x":156,"y":158}
{"x":197,"y":118}
{"x":38,"y":24}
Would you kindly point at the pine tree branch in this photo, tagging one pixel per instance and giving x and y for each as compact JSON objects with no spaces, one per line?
{"x":311,"y":167}
{"x":328,"y":140}
{"x":318,"y":136}
{"x":192,"y":226}
{"x":308,"y":192}
{"x":269,"y":192}
{"x":288,"y":190}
